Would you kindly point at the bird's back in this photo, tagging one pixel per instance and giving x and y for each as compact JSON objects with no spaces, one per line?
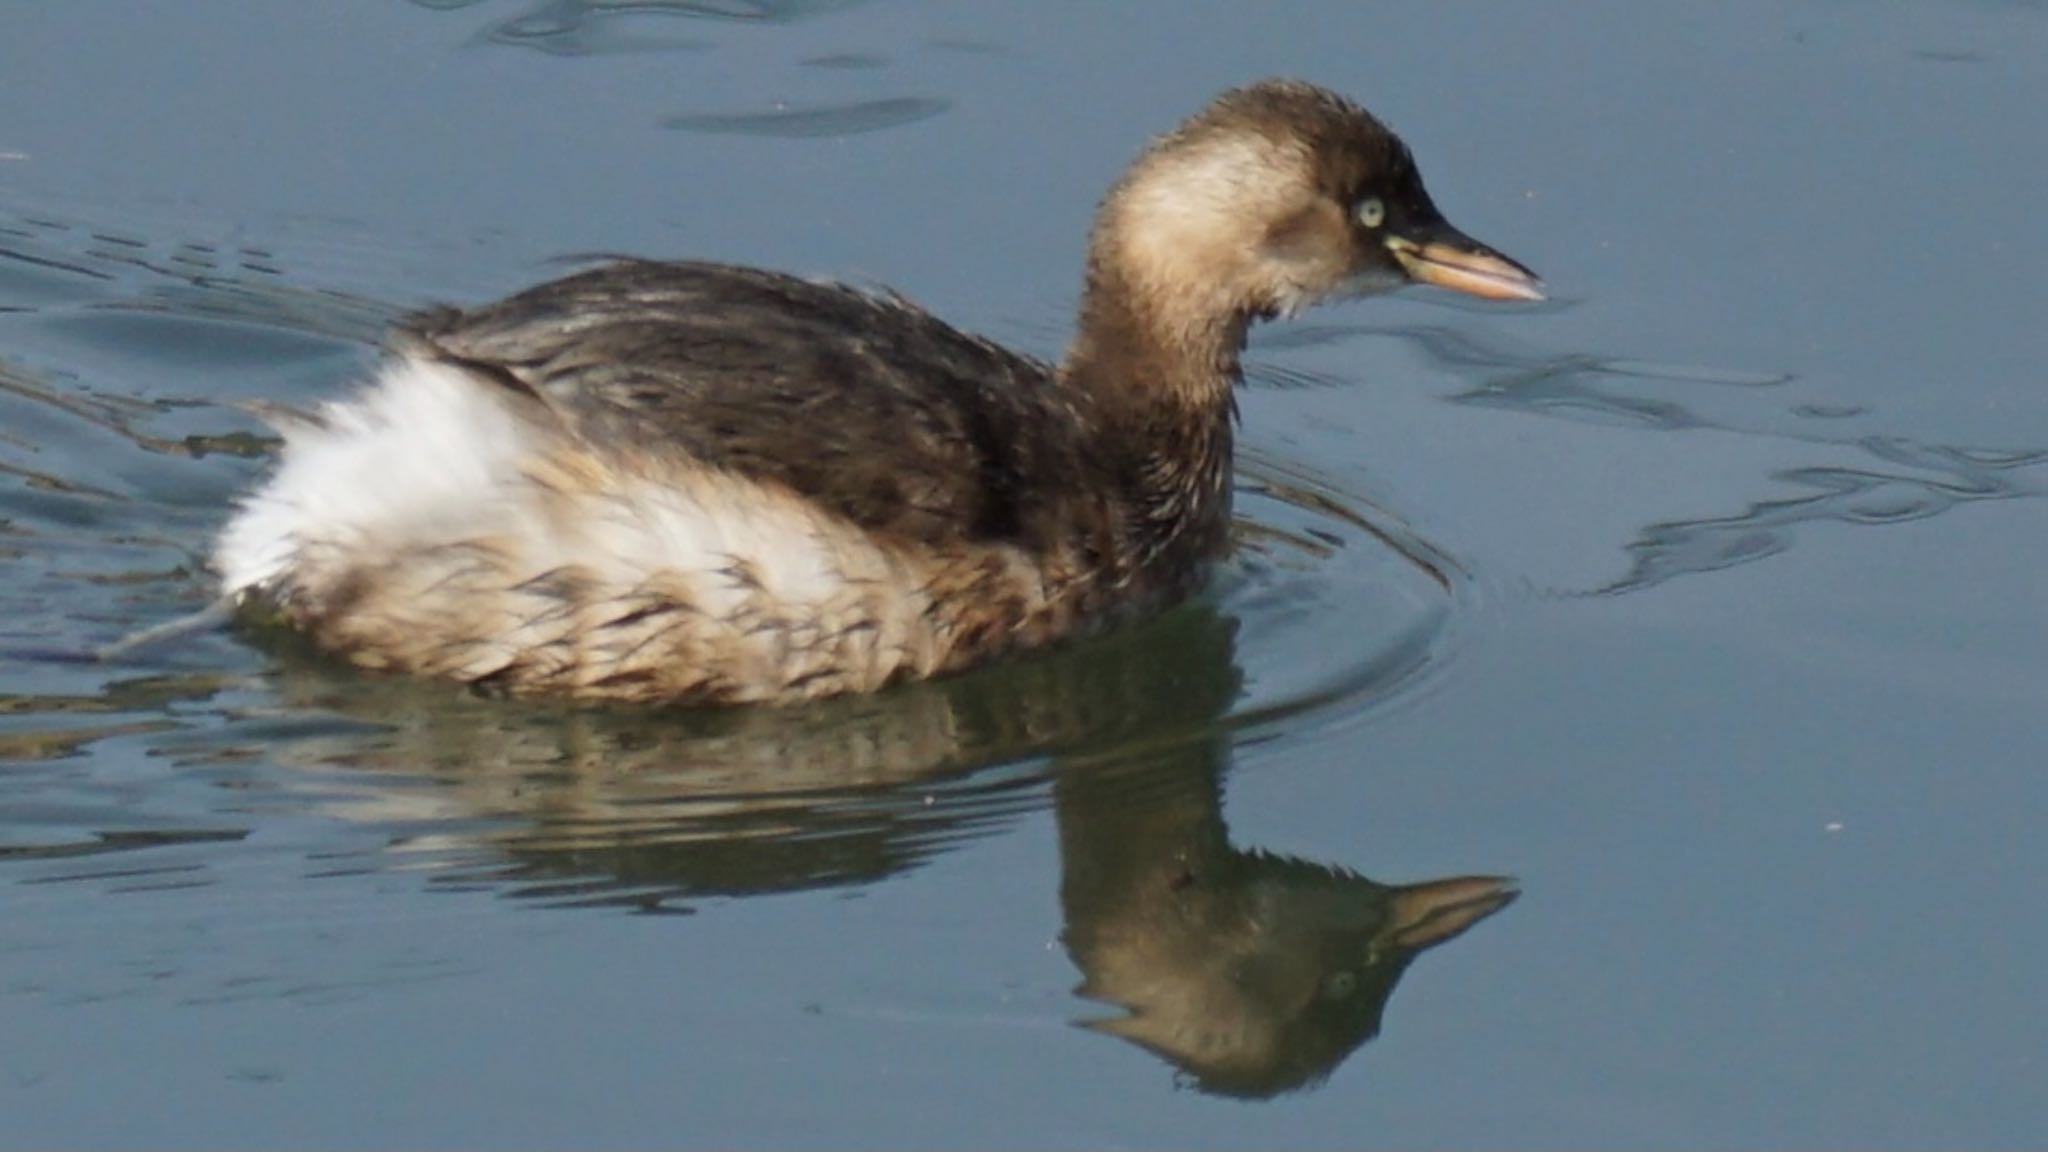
{"x":859,"y":402}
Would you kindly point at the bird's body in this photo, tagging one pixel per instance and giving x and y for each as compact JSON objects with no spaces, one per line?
{"x":703,"y":483}
{"x":659,"y":501}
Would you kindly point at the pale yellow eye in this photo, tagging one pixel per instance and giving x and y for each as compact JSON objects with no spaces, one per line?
{"x":1372,"y":212}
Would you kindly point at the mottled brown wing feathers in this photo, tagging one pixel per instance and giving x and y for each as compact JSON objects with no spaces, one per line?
{"x":859,"y":402}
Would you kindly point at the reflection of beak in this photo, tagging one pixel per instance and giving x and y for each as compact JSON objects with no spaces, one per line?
{"x":1448,"y":258}
{"x":1425,"y":915}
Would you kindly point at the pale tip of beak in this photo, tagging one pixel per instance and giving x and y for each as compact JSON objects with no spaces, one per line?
{"x":1475,"y":273}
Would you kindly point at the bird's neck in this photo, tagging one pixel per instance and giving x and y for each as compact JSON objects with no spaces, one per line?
{"x":1160,"y":379}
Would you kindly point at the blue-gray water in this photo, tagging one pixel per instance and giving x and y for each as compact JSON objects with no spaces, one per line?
{"x":1705,"y":600}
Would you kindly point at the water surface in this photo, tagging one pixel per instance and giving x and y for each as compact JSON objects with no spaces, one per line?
{"x":1703,"y":601}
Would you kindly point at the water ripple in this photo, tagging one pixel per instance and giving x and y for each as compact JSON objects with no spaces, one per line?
{"x":816,"y":121}
{"x":610,"y":27}
{"x":1928,"y":480}
{"x":1902,"y":479}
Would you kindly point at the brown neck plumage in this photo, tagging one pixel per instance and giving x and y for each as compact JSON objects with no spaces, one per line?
{"x":1160,"y":378}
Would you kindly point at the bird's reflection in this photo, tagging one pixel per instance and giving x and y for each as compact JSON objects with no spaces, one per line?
{"x":1251,"y":973}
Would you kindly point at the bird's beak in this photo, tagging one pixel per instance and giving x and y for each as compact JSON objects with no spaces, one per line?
{"x":1441,"y":255}
{"x":1425,"y":915}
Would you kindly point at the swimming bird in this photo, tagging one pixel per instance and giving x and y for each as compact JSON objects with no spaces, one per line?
{"x":708,"y":484}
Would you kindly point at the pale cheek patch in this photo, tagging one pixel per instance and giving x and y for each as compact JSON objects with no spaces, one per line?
{"x":1186,"y":221}
{"x":1230,"y":224}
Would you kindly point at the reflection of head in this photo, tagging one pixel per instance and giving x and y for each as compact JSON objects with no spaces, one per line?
{"x":1258,"y":974}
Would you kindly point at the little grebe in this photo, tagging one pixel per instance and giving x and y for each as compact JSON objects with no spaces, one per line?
{"x":700,"y":483}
